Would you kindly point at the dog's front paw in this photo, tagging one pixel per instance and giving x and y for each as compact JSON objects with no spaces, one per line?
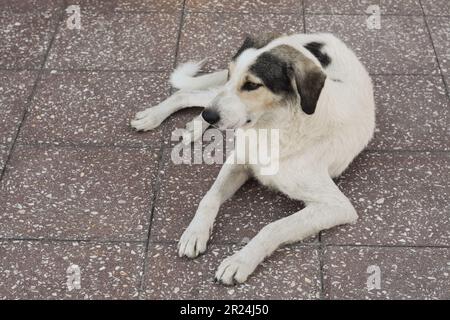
{"x":193,"y":241}
{"x":147,"y":120}
{"x":235,"y":269}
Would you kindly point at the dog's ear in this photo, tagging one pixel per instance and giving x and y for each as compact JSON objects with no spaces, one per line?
{"x":247,"y":44}
{"x":306,"y":78}
{"x":256,"y":42}
{"x":309,"y":81}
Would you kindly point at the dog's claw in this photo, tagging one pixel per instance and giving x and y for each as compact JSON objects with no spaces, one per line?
{"x":235,"y":269}
{"x":193,"y":242}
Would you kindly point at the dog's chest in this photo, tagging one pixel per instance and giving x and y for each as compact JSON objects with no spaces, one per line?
{"x":266,"y":177}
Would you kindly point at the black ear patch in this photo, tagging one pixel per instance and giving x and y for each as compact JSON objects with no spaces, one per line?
{"x":256,"y":42}
{"x":309,"y":86}
{"x":315,"y":49}
{"x":288,"y":72}
{"x":273,"y":71}
{"x":248,"y":43}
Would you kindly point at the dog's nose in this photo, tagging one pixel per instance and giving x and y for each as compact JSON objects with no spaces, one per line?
{"x":210,"y":116}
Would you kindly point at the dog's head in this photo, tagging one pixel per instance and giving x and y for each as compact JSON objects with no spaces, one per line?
{"x":261,"y":80}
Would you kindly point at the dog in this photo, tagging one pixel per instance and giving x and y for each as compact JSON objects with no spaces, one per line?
{"x":315,"y":91}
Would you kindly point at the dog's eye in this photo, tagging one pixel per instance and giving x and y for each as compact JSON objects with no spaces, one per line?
{"x":250,"y":86}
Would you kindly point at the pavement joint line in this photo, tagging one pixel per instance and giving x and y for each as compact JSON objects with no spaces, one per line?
{"x":81,"y":70}
{"x":242,"y":12}
{"x":180,"y":30}
{"x":165,"y":146}
{"x":446,"y":88}
{"x":154,"y":197}
{"x":33,"y":91}
{"x":226,"y":243}
{"x":168,"y":71}
{"x":406,"y":246}
{"x":30,"y":239}
{"x":295,"y":13}
{"x":304,"y":16}
{"x":88,"y":145}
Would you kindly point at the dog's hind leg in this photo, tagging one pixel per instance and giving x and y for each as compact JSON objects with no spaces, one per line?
{"x":152,"y":117}
{"x":327,"y":207}
{"x":195,"y":237}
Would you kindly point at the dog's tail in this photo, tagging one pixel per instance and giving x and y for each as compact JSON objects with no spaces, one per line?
{"x":183,"y":77}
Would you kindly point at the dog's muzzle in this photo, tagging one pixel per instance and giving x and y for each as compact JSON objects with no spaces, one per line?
{"x":210,"y":116}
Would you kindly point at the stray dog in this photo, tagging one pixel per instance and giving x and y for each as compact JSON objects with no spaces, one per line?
{"x":315,"y":91}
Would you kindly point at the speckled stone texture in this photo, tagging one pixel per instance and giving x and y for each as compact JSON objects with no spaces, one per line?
{"x":401,"y":198}
{"x":39,"y":270}
{"x":25,"y":37}
{"x":436,"y":7}
{"x":291,"y":273}
{"x":402,"y":45}
{"x":112,"y":6}
{"x":217,"y":36}
{"x":260,"y":6}
{"x":93,"y":108}
{"x":405,"y":273}
{"x":440,"y":33}
{"x":14,"y":6}
{"x":79,"y":187}
{"x":121,"y":41}
{"x":413,"y":113}
{"x":15,"y":89}
{"x":77,"y":193}
{"x":403,"y":7}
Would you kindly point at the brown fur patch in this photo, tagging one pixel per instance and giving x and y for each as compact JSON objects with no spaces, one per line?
{"x":256,"y":100}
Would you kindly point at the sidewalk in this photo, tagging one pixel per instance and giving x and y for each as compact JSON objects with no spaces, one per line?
{"x":79,"y":187}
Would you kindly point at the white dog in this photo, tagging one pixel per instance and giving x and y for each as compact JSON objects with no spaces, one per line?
{"x":314,"y":90}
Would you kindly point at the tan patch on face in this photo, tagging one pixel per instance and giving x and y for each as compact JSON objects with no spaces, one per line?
{"x":258,"y":100}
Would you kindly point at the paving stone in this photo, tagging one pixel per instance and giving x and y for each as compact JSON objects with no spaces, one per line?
{"x":113,"y":41}
{"x":112,"y":6}
{"x":25,"y":37}
{"x":22,"y":6}
{"x":413,"y":113}
{"x":93,"y":108}
{"x":15,"y":89}
{"x":290,"y":273}
{"x":260,"y":6}
{"x":440,"y":33}
{"x":77,"y":193}
{"x":401,"y":199}
{"x":403,"y":7}
{"x":47,"y":270}
{"x":404,"y":273}
{"x":436,"y":7}
{"x":219,"y":35}
{"x":401,"y":46}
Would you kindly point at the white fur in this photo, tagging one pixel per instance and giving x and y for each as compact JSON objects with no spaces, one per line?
{"x":183,"y":77}
{"x":313,"y":149}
